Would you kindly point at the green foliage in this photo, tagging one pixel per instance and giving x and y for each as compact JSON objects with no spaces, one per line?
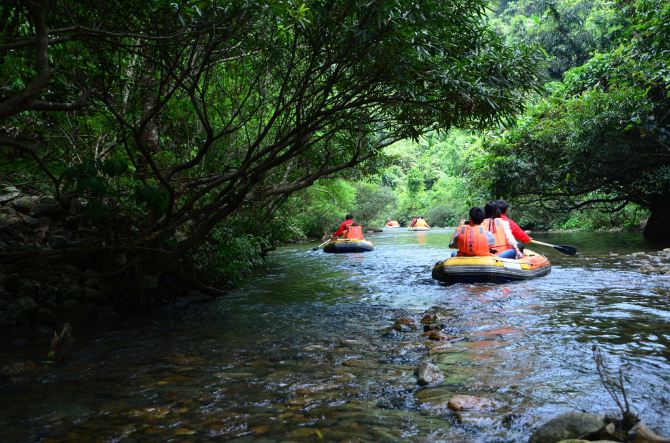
{"x":374,"y":204}
{"x":92,"y":176}
{"x":567,"y":31}
{"x":318,"y":210}
{"x":229,"y":256}
{"x":601,"y":138}
{"x":629,"y":218}
{"x":433,"y":177}
{"x":153,"y":197}
{"x":225,"y":127}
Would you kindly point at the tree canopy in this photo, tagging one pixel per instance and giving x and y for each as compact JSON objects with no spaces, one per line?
{"x":601,"y":137}
{"x":170,"y":118}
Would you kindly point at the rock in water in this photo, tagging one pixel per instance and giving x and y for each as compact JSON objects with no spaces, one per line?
{"x":427,"y":373}
{"x":470,"y":402}
{"x":641,"y":433}
{"x":572,"y":425}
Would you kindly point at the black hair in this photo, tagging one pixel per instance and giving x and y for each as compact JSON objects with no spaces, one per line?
{"x":348,"y":217}
{"x":477,"y":215}
{"x":491,"y":210}
{"x":502,"y":205}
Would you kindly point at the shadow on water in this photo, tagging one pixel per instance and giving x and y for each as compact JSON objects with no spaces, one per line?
{"x":301,"y":353}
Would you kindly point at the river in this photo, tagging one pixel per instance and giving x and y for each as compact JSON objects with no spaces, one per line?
{"x":302,"y":352}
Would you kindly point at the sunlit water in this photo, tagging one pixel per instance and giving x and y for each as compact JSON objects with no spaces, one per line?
{"x":299,"y":353}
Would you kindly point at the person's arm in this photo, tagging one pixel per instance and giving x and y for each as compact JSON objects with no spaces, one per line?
{"x":341,"y":229}
{"x":510,"y":237}
{"x":508,"y":234}
{"x":519,"y":233}
{"x":453,"y":243}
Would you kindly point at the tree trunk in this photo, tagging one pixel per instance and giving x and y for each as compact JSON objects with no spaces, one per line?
{"x":658,"y":225}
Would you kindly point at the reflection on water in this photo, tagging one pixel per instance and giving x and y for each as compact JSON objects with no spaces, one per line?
{"x":300,"y":353}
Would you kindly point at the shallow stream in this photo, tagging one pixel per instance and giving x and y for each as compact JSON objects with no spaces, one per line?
{"x":302,"y":352}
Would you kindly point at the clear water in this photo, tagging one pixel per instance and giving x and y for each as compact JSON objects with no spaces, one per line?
{"x":299,"y":353}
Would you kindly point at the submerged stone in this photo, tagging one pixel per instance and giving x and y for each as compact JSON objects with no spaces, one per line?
{"x":470,"y":402}
{"x":428,"y":373}
{"x":571,"y":425}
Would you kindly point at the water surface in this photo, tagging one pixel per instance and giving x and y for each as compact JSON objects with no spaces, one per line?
{"x":302,"y":352}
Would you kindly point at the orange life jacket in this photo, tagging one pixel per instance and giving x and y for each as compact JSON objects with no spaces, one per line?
{"x":472,"y":241}
{"x":421,"y":223}
{"x":461,"y":224}
{"x":495,"y":227}
{"x":355,"y":232}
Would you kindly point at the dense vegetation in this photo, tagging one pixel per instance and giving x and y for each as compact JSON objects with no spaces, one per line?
{"x":209,"y":131}
{"x":185,"y":128}
{"x":590,"y":151}
{"x":600,"y":138}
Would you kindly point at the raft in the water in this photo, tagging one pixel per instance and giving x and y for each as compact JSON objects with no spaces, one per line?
{"x":491,"y":269}
{"x":348,"y":245}
{"x":420,"y":228}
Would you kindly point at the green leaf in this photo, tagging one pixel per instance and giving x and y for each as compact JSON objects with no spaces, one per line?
{"x":114,"y":167}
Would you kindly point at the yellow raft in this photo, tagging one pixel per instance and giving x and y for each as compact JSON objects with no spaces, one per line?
{"x":491,"y":269}
{"x":420,"y":228}
{"x":348,"y":245}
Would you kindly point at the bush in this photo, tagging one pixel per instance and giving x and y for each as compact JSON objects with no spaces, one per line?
{"x":228,"y":257}
{"x":444,"y":216}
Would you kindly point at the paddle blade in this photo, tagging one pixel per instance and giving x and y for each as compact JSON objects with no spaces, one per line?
{"x":565,"y":249}
{"x":315,"y":248}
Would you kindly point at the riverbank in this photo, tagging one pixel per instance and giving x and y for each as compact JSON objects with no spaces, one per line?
{"x":50,"y":271}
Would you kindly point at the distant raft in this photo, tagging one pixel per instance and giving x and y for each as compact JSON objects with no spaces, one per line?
{"x":491,"y":269}
{"x":392,"y":224}
{"x":420,"y":228}
{"x":348,"y":245}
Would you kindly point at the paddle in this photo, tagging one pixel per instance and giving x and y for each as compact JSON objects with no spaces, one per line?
{"x":316,"y":248}
{"x":565,"y":249}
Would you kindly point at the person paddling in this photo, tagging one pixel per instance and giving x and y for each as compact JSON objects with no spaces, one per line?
{"x":348,"y":220}
{"x":517,"y":232}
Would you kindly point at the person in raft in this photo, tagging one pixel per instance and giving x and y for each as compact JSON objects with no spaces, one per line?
{"x":420,"y":223}
{"x":413,"y":222}
{"x":505,"y":246}
{"x":349,"y":229}
{"x":517,"y":232}
{"x":472,"y":239}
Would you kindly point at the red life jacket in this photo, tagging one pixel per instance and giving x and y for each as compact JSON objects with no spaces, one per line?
{"x":472,"y":241}
{"x":495,"y":227}
{"x":354,"y":232}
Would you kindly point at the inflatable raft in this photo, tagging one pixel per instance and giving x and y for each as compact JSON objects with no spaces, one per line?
{"x":420,"y":228}
{"x":392,"y":224}
{"x":491,"y":269}
{"x":348,"y":245}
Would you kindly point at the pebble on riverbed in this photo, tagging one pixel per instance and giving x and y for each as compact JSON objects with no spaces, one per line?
{"x":404,"y":324}
{"x":470,"y":402}
{"x":428,"y":373}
